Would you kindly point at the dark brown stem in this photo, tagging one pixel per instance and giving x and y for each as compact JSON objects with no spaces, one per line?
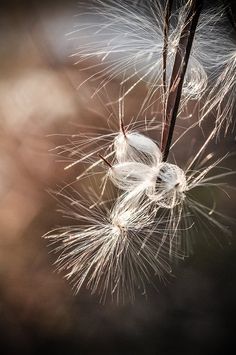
{"x":168,"y":8}
{"x":122,"y":127}
{"x":105,"y":160}
{"x":178,"y":74}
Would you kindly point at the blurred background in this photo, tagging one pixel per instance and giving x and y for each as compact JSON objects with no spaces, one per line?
{"x":39,"y":103}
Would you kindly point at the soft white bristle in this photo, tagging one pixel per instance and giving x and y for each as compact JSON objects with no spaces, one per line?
{"x":120,"y":242}
{"x":129,"y":175}
{"x":169,"y":187}
{"x":127,"y":42}
{"x":134,"y":146}
{"x":113,"y":252}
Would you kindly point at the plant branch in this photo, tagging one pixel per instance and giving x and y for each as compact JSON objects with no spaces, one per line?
{"x":178,"y":74}
{"x":168,"y":8}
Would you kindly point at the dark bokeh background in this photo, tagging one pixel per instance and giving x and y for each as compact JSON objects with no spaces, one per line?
{"x":193,"y":314}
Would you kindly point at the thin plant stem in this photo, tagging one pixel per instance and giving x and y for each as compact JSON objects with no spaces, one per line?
{"x":168,"y":8}
{"x":178,"y":74}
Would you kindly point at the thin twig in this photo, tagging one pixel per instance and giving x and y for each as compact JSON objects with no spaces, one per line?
{"x":105,"y":160}
{"x":178,"y":74}
{"x":168,"y":8}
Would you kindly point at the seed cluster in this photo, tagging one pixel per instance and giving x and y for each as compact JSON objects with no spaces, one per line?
{"x":121,"y":246}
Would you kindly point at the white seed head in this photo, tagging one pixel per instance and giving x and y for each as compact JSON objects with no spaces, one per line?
{"x":111,"y":253}
{"x":170,"y":186}
{"x":127,"y":41}
{"x":115,"y":249}
{"x":136,"y":147}
{"x":130,"y":175}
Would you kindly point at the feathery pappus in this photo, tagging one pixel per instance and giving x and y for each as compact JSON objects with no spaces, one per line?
{"x":111,"y":251}
{"x":124,"y":40}
{"x":115,"y":250}
{"x":120,"y":243}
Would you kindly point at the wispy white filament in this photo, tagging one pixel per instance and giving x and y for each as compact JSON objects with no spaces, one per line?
{"x":118,"y":245}
{"x":112,"y":253}
{"x":221,"y":98}
{"x":136,"y":147}
{"x":170,"y":186}
{"x":126,"y":41}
